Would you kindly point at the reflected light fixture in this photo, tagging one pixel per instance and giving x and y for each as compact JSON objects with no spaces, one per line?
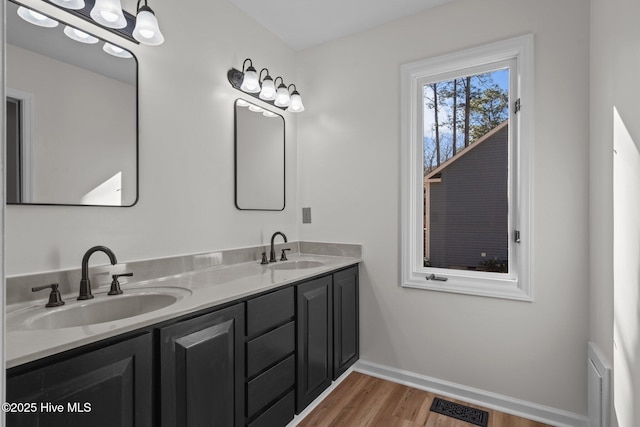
{"x":250,"y":80}
{"x":252,"y":83}
{"x":147,"y":30}
{"x":69,"y":4}
{"x":116,"y":51}
{"x":268,"y":91}
{"x":108,"y":13}
{"x":35,"y":18}
{"x":79,"y":36}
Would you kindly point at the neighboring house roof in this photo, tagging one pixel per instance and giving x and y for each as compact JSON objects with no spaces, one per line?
{"x":435,"y":174}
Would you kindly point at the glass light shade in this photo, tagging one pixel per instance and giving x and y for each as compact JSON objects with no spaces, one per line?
{"x":268,"y":113}
{"x":242,"y":103}
{"x":116,"y":51}
{"x":282,"y":97}
{"x":79,"y":36}
{"x":255,"y":108}
{"x":35,"y":18}
{"x":268,"y":92}
{"x":69,"y":4}
{"x":109,"y":13}
{"x":147,"y":30}
{"x":296,"y":103}
{"x":250,"y":82}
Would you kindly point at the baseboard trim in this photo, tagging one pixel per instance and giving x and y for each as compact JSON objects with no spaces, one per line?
{"x":298,"y":418}
{"x":509,"y":405}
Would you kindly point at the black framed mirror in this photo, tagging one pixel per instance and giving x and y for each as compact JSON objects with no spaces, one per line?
{"x":259,"y":158}
{"x":72,"y":116}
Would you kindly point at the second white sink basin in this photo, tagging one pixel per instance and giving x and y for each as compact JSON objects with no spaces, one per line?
{"x":101,"y":309}
{"x":297,"y":265}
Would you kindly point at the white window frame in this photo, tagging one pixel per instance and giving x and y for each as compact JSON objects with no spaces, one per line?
{"x":517,"y":284}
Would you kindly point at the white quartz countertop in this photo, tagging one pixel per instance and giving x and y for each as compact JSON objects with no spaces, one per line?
{"x":206,"y":288}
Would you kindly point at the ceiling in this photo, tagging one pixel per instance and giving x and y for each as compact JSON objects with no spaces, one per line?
{"x":305,"y":23}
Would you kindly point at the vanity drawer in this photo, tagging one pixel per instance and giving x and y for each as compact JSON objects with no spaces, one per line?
{"x":279,"y":414}
{"x":268,"y":311}
{"x":266,"y":387}
{"x":267,"y":349}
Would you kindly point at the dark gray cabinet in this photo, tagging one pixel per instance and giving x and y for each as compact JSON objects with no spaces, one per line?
{"x":106,"y":387}
{"x":202,"y":374}
{"x":346,"y":349}
{"x":315,"y":339}
{"x":255,"y":363}
{"x":271,"y":368}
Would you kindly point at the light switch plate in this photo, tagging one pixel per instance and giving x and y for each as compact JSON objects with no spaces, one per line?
{"x":306,"y":215}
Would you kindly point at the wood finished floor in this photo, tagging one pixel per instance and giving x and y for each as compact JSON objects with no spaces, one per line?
{"x":361,"y":400}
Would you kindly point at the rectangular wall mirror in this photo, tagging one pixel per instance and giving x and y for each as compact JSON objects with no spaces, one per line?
{"x":260,"y":158}
{"x":72,"y":117}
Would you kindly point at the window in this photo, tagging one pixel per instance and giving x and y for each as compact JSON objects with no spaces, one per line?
{"x":467,"y":131}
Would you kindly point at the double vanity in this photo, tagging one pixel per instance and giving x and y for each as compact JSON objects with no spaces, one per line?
{"x":215,"y":336}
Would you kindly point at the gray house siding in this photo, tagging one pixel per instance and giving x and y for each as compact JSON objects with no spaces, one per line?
{"x":469,"y":207}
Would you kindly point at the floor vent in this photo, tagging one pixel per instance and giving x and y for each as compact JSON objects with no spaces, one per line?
{"x":460,"y":412}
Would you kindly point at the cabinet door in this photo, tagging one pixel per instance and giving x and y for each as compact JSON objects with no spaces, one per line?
{"x":202,"y":378}
{"x":315,"y":340}
{"x":345,"y":320}
{"x":108,"y":387}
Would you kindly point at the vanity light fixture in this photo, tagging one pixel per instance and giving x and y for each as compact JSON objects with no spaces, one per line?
{"x":253,"y":84}
{"x":79,"y":36}
{"x":282,"y":95}
{"x":69,"y":4}
{"x":268,"y":90}
{"x":250,"y":80}
{"x":116,"y":51}
{"x":147,"y":30}
{"x":36,"y":18}
{"x":296,"y":101}
{"x":108,"y":13}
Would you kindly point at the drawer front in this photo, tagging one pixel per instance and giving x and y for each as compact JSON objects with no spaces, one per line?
{"x":266,"y":387}
{"x":279,"y":414}
{"x":267,"y":349}
{"x":268,"y":311}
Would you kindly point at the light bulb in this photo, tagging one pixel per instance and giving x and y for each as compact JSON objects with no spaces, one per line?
{"x":147,"y":30}
{"x":268,"y":113}
{"x":109,"y":13}
{"x":116,"y":51}
{"x":255,"y":108}
{"x":79,"y":36}
{"x":35,"y":18}
{"x":242,"y":103}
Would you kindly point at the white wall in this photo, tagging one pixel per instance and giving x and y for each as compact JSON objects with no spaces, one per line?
{"x":186,"y":202}
{"x":349,"y":173}
{"x":614,"y":276}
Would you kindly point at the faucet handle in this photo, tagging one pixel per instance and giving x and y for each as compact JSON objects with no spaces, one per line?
{"x":284,"y":254}
{"x":264,"y":259}
{"x":115,"y":285}
{"x":55,"y":299}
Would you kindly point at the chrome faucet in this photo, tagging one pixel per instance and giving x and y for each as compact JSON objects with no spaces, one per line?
{"x":272,"y":256}
{"x":85,"y":283}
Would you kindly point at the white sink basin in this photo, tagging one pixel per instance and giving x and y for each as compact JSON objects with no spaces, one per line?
{"x":101,"y":309}
{"x":297,"y":265}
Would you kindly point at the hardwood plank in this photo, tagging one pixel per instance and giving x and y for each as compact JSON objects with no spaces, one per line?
{"x":364,"y":401}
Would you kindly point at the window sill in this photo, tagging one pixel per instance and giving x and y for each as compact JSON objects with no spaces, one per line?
{"x":476,"y":286}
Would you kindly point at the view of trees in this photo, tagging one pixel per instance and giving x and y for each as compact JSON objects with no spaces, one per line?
{"x":460,"y":111}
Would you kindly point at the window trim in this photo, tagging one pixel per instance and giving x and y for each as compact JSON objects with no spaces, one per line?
{"x":516,"y":286}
